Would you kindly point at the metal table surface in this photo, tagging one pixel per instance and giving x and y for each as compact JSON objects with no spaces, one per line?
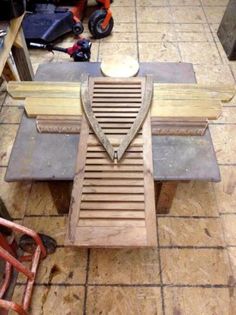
{"x":38,"y":156}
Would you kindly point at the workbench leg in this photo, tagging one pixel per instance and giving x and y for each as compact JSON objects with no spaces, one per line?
{"x":165,"y":193}
{"x":226,"y":31}
{"x":21,"y":57}
{"x":5,"y":215}
{"x":8,"y":73}
{"x":61,"y":194}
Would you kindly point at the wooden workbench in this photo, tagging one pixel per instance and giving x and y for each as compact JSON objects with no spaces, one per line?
{"x":175,"y":158}
{"x":14,"y":42}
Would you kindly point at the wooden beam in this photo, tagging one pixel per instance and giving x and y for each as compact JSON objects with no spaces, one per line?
{"x":165,"y":193}
{"x":226,"y":31}
{"x":9,"y":40}
{"x":162,"y":91}
{"x":35,"y":106}
{"x":44,"y":89}
{"x":58,"y":124}
{"x":179,"y":127}
{"x":169,"y":91}
{"x":169,"y":100}
{"x":207,"y":108}
{"x":21,"y":57}
{"x":9,"y":72}
{"x":164,"y":126}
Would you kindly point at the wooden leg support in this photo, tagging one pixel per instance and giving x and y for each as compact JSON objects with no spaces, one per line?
{"x":61,"y":194}
{"x":165,"y":192}
{"x":8,"y":72}
{"x":3,"y":211}
{"x":21,"y":57}
{"x":5,"y":215}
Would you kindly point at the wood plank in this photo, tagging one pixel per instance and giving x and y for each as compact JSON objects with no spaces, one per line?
{"x":116,"y":105}
{"x":116,"y":115}
{"x":56,"y":124}
{"x":9,"y":40}
{"x":111,"y":222}
{"x":116,"y":110}
{"x":117,"y":86}
{"x":9,"y":72}
{"x":61,"y":195}
{"x":119,"y":205}
{"x":209,"y":109}
{"x":155,"y":120}
{"x":110,"y":237}
{"x":131,"y":149}
{"x":112,"y":190}
{"x":113,"y":125}
{"x":94,"y":161}
{"x":35,"y":106}
{"x":127,"y":156}
{"x":185,"y":104}
{"x":116,"y":81}
{"x":60,"y":118}
{"x":165,"y":193}
{"x":171,"y":127}
{"x":124,"y":99}
{"x":111,"y":214}
{"x":114,"y":167}
{"x":116,"y":175}
{"x":44,"y":89}
{"x":169,"y":91}
{"x":170,"y":101}
{"x":114,"y":140}
{"x":78,"y":181}
{"x":150,"y":210}
{"x":122,"y":95}
{"x":112,"y":197}
{"x":118,"y":182}
{"x":164,"y":126}
{"x":22,"y":58}
{"x":115,"y":120}
{"x":111,"y":90}
{"x":117,"y":131}
{"x":161,"y":90}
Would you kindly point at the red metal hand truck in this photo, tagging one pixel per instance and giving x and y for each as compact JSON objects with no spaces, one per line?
{"x":8,"y":253}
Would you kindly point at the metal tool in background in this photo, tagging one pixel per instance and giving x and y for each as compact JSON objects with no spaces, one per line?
{"x":80,"y":51}
{"x":46,"y":22}
{"x":10,"y":9}
{"x":3,"y":33}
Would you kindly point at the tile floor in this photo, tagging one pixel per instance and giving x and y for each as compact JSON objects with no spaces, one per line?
{"x":193,"y":270}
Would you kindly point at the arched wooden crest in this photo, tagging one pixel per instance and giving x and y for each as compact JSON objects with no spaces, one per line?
{"x":111,"y":93}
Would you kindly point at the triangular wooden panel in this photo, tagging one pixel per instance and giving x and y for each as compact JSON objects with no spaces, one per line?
{"x":113,"y":203}
{"x":129,"y":98}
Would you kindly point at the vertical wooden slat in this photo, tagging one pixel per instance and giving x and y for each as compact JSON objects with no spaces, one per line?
{"x":149,"y":192}
{"x":78,"y":181}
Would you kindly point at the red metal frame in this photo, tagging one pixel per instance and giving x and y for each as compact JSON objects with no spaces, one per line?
{"x":78,"y":11}
{"x":8,"y":254}
{"x":107,"y":19}
{"x":106,"y":6}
